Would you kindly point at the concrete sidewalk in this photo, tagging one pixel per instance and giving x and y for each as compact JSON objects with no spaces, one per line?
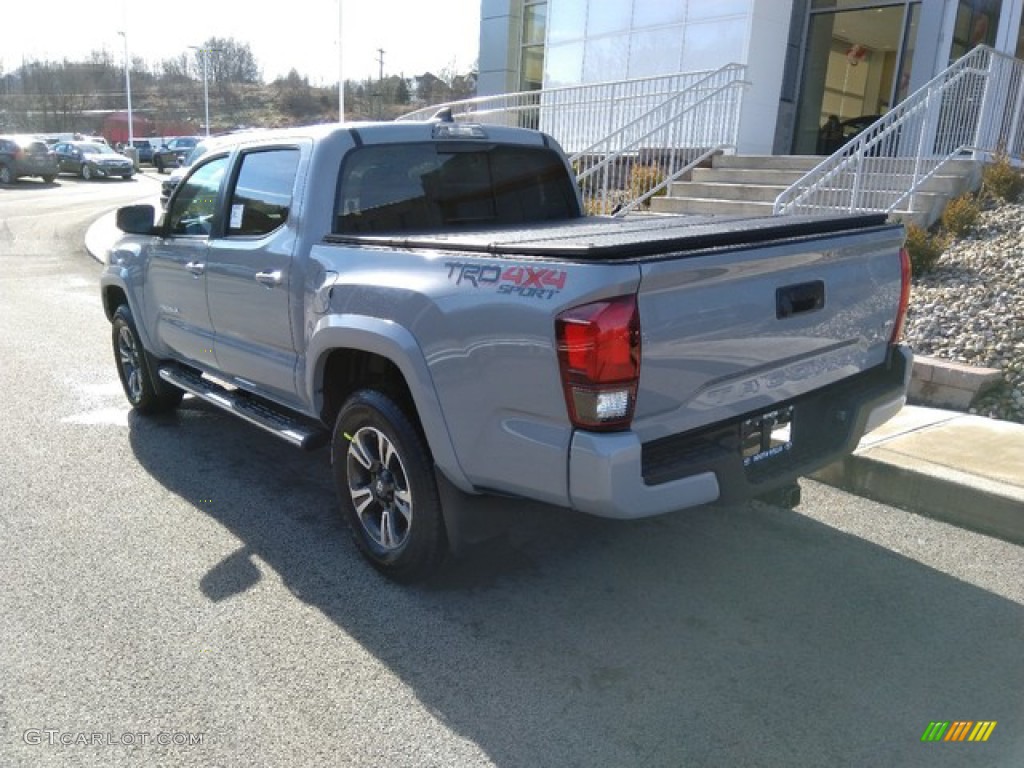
{"x":966,"y":470}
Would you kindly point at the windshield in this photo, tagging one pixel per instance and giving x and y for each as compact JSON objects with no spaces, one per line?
{"x":198,"y":151}
{"x":96,"y":149}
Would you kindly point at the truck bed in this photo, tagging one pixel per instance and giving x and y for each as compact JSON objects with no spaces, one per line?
{"x":639,"y":238}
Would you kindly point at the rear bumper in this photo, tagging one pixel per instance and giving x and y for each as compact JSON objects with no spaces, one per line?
{"x":614,"y":475}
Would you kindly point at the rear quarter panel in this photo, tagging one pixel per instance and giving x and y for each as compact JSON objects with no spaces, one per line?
{"x":488,"y":341}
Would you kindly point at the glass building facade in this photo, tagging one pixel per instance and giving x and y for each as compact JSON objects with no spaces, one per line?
{"x":807,"y":60}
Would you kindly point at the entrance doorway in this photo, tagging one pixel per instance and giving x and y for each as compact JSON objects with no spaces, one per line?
{"x":856,"y":67}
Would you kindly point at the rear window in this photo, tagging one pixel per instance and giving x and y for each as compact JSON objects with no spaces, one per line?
{"x":445,"y":186}
{"x":29,"y":144}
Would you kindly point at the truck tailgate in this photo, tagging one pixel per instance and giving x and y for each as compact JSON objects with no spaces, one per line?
{"x":737,"y":329}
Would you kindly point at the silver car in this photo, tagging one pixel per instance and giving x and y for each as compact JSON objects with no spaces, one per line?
{"x":92,"y":160}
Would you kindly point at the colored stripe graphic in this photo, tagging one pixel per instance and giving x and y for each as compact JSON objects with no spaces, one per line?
{"x":959,"y":730}
{"x":982,"y":730}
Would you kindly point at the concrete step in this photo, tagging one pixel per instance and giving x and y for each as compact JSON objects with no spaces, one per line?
{"x":746,"y":176}
{"x":801,"y":163}
{"x":710,"y":206}
{"x":758,"y":193}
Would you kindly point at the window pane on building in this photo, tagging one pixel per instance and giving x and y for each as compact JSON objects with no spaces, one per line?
{"x":649,"y":13}
{"x":655,"y":52}
{"x":605,"y":17}
{"x":605,"y":59}
{"x":713,"y":44}
{"x":564,"y":65}
{"x":567,"y":19}
{"x":534,"y":22}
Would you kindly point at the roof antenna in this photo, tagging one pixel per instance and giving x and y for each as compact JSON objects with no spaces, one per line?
{"x":444,"y":115}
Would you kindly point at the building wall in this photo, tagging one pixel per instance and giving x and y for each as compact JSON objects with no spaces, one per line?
{"x":500,"y":34}
{"x":766,"y":62}
{"x":600,"y":40}
{"x":591,"y":41}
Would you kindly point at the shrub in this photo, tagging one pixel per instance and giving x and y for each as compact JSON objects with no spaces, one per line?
{"x":961,"y":215}
{"x":924,"y":248}
{"x":1001,"y":180}
{"x":644,"y":178}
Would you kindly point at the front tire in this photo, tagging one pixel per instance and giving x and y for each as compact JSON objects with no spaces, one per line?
{"x":145,"y":394}
{"x":6,"y":174}
{"x":86,"y":172}
{"x":385,"y":480}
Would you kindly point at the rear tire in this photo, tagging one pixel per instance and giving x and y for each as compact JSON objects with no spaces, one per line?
{"x":48,"y":178}
{"x":6,"y":174}
{"x":145,"y":393}
{"x":385,"y":479}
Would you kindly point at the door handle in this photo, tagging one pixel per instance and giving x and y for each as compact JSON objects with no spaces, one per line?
{"x":197,"y":268}
{"x":798,"y":299}
{"x":269,"y":279}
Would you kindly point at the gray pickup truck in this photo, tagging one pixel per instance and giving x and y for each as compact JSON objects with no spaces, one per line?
{"x":430,"y":301}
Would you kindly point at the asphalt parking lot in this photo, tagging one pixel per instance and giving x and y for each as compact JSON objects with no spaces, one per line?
{"x":180,"y":591}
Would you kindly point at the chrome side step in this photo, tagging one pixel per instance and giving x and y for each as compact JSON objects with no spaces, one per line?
{"x":300,"y":432}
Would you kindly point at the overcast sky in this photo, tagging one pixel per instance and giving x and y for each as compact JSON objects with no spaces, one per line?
{"x":416,"y":35}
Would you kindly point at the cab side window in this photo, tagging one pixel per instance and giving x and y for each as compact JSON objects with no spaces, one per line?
{"x":262,"y":196}
{"x":193,"y":207}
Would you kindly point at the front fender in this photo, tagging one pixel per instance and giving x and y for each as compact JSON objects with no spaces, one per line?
{"x":123,"y":274}
{"x":395,"y":343}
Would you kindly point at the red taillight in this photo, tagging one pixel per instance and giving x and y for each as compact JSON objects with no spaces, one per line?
{"x":599,"y":359}
{"x":901,"y":314}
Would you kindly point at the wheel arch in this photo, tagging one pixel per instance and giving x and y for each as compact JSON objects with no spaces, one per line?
{"x":113,"y":297}
{"x":351,"y":352}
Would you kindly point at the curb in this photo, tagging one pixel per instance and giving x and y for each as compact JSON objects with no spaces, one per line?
{"x":103,"y":232}
{"x":955,"y":498}
{"x":963,"y":470}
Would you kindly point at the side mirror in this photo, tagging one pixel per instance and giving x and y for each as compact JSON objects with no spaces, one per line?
{"x":136,"y":219}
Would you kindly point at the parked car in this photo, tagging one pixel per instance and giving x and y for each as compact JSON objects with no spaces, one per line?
{"x":174,"y":152}
{"x":92,"y":161}
{"x":145,"y":149}
{"x":22,"y":156}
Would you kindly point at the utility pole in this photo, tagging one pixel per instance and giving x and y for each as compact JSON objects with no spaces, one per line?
{"x":380,"y":84}
{"x":341,"y":69}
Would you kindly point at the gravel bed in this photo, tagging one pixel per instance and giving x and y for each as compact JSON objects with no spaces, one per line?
{"x":970,"y":307}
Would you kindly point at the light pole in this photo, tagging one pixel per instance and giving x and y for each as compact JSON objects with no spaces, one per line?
{"x":128,"y":88}
{"x":206,"y":90}
{"x":341,"y":70}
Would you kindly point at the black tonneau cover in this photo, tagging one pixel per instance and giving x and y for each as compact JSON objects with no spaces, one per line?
{"x":605,"y":238}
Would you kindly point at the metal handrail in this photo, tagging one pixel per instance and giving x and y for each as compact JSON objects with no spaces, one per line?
{"x":658,"y":147}
{"x":495,"y":109}
{"x":626,"y":139}
{"x":973,"y":108}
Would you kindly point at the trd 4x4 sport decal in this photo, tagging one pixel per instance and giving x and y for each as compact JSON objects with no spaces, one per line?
{"x":528,"y":282}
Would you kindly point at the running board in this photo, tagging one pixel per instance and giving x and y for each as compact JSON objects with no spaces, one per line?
{"x":289,"y":427}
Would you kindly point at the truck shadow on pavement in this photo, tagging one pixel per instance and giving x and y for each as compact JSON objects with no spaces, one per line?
{"x":742,"y":635}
